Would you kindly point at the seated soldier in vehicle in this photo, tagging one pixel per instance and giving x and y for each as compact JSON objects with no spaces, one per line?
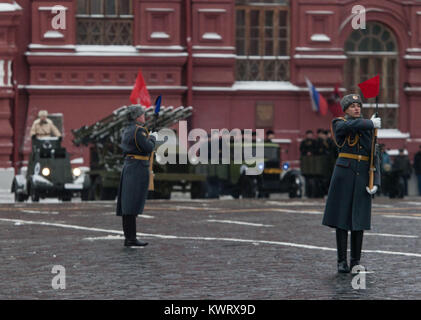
{"x":44,"y":127}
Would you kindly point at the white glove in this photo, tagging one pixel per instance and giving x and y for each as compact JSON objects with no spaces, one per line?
{"x":377,"y":122}
{"x":154,"y":134}
{"x":372,"y":191}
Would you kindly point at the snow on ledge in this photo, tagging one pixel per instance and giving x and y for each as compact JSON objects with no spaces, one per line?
{"x":160,"y":35}
{"x":95,"y":48}
{"x":53,"y":35}
{"x":211,"y":36}
{"x":391,"y":134}
{"x":281,"y":140}
{"x":9,"y":7}
{"x":321,"y":56}
{"x":265,"y":85}
{"x":320,"y":37}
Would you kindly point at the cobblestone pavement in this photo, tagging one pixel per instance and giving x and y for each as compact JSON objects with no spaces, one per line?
{"x":204,"y":249}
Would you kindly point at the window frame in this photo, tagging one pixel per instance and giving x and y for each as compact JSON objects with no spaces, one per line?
{"x":103,"y":20}
{"x":103,"y":15}
{"x":262,"y":38}
{"x":388,"y":105}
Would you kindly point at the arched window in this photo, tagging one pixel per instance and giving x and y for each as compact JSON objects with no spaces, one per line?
{"x":373,"y":51}
{"x":104,"y":22}
{"x":262,"y":40}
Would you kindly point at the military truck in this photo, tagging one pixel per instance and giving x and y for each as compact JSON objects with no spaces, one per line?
{"x":106,"y":157}
{"x":232,"y":179}
{"x":317,"y":170}
{"x":49,"y":174}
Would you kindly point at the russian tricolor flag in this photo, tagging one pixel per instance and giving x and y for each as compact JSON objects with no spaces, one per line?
{"x":318,"y":102}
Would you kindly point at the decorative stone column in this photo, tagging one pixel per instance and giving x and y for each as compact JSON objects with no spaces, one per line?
{"x":10,"y":13}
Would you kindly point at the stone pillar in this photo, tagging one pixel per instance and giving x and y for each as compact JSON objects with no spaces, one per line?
{"x":10,"y":13}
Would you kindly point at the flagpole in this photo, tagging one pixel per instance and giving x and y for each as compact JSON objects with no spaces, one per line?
{"x":373,"y":151}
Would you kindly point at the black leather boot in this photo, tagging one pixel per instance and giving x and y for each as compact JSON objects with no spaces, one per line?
{"x":356,"y":246}
{"x":134,"y":243}
{"x":341,"y":243}
{"x":129,"y":227}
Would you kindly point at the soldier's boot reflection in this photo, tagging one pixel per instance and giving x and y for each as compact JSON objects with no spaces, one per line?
{"x":356,"y":246}
{"x":129,"y":227}
{"x":341,"y":243}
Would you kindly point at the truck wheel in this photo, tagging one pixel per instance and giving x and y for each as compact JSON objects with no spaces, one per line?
{"x":235,"y":194}
{"x":248,"y":187}
{"x":295,"y":189}
{"x":197,"y":190}
{"x":85,"y":195}
{"x":19,"y":197}
{"x":108,"y":194}
{"x":98,"y":192}
{"x":212,"y":189}
{"x":34,"y":195}
{"x":296,"y":193}
{"x":162,"y":190}
{"x":66,"y":198}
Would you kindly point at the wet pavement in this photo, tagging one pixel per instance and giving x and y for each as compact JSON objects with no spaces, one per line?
{"x":204,"y":249}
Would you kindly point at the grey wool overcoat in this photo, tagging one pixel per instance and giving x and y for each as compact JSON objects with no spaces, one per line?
{"x":134,"y":180}
{"x":348,"y":204}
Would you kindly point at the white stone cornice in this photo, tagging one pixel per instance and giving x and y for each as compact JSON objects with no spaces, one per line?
{"x":315,"y":56}
{"x":10,"y":7}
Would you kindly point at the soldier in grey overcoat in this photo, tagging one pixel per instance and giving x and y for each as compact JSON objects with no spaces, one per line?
{"x":348,"y":205}
{"x":137,"y":145}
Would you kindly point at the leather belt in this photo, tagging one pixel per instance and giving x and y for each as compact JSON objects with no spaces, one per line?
{"x":354,"y":156}
{"x":138,"y":157}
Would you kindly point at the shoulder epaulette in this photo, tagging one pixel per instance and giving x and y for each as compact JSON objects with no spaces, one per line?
{"x":144,"y":132}
{"x":143,"y":128}
{"x":339,"y":118}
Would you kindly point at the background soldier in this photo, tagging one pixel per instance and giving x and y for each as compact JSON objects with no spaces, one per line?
{"x":137,"y":145}
{"x":322,"y":145}
{"x":322,"y":164}
{"x":402,"y":166}
{"x":348,"y":206}
{"x":386,"y":167}
{"x":308,"y":145}
{"x":269,"y":136}
{"x":417,"y":168}
{"x":333,"y":150}
{"x":307,"y":149}
{"x":44,"y":127}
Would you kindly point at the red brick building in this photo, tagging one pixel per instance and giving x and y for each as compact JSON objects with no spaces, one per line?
{"x":239,"y":63}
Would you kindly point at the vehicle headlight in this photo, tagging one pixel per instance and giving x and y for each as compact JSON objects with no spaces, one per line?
{"x":285,"y":166}
{"x":261,"y":166}
{"x":76,"y":172}
{"x":45,"y":172}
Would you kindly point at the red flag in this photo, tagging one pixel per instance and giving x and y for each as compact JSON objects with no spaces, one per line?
{"x":371,"y":87}
{"x":140,"y":94}
{"x":335,"y":103}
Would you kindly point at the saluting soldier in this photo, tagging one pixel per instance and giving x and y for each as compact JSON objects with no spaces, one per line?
{"x":44,"y":127}
{"x":137,"y":145}
{"x":348,"y":206}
